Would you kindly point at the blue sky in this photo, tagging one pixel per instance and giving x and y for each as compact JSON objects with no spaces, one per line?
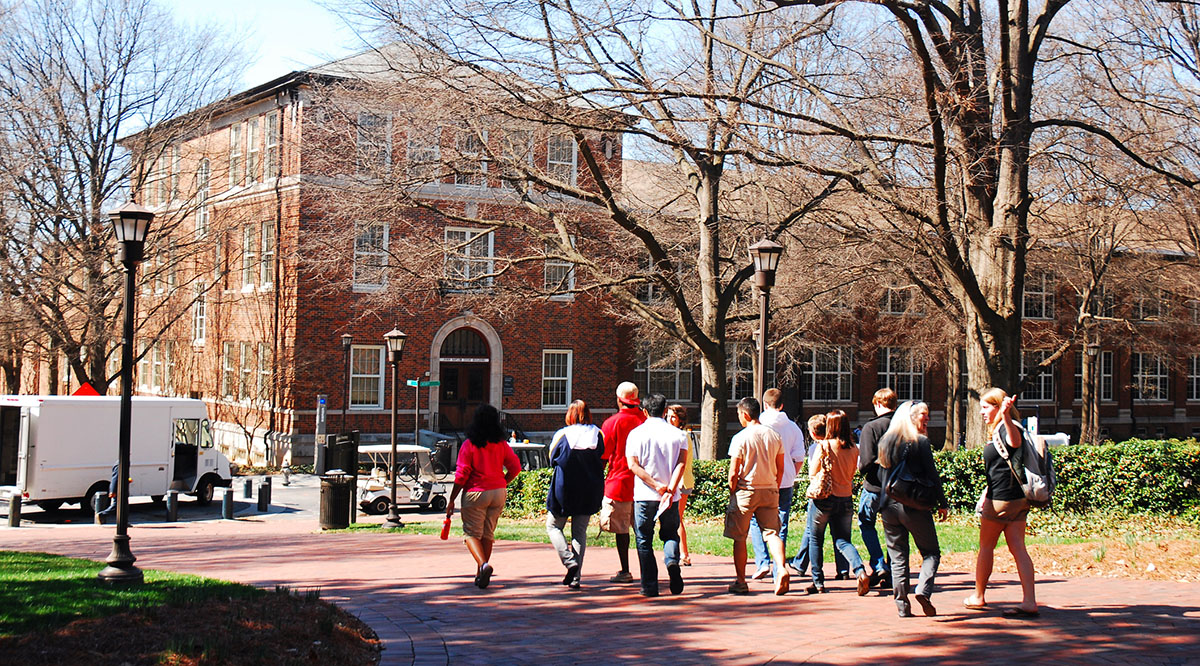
{"x":280,"y":35}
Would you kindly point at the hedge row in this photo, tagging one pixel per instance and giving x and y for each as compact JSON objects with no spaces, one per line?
{"x":1135,"y":476}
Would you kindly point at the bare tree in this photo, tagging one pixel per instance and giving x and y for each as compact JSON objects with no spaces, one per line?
{"x":76,"y":76}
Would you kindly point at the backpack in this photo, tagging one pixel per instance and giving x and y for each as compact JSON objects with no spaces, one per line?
{"x":1039,"y":481}
{"x":908,"y":489}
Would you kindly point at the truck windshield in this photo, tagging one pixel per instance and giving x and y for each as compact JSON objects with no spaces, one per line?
{"x":187,"y":431}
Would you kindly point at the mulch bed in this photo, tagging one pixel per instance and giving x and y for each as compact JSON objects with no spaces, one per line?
{"x":1177,"y":560}
{"x":274,"y":628}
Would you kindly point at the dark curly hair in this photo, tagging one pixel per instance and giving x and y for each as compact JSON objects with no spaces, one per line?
{"x":485,"y":426}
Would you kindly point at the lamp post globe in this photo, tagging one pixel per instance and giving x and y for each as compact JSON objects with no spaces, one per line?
{"x":131,"y":226}
{"x":394,"y":340}
{"x":765,"y":255}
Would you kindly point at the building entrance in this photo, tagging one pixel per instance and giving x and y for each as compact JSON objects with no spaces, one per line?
{"x":465,"y":370}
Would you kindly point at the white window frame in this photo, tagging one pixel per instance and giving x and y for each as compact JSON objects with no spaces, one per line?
{"x":477,"y":180}
{"x":236,"y":175}
{"x":253,"y":151}
{"x":739,"y":370}
{"x":1159,"y":375}
{"x":266,"y":272}
{"x":176,"y":163}
{"x":248,"y":367}
{"x":250,"y":243}
{"x":899,"y":301}
{"x":1144,"y":312}
{"x":272,"y":153}
{"x":1047,"y":381}
{"x":1193,"y":378}
{"x":229,"y":372}
{"x":841,"y":374}
{"x":203,"y":182}
{"x":1037,"y":300}
{"x":554,"y":166}
{"x":423,"y":154}
{"x":373,"y":152}
{"x":363,"y":252}
{"x":462,"y":281}
{"x":564,"y":379}
{"x":554,"y":264}
{"x":662,"y":369}
{"x":1106,"y":360}
{"x":264,"y":372}
{"x":199,"y":315}
{"x":899,"y":371}
{"x":366,"y":352}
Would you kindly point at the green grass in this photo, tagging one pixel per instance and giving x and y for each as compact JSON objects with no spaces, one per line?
{"x":958,"y":534}
{"x":40,"y":591}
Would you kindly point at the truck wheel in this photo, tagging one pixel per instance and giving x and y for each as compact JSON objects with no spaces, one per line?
{"x":378,"y":506}
{"x":204,"y":492}
{"x":85,"y":502}
{"x":438,"y":503}
{"x":50,"y":505}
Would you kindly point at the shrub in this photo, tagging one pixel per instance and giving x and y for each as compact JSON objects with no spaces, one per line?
{"x":1136,"y":476}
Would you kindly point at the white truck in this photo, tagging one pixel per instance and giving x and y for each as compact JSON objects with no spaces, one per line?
{"x":57,"y":450}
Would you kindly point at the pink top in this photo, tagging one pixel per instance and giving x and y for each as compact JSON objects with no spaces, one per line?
{"x":486,"y":468}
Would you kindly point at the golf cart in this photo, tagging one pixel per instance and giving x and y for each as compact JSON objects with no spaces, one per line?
{"x":416,"y":482}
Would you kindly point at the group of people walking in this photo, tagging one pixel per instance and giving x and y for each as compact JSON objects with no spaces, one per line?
{"x":635,"y":472}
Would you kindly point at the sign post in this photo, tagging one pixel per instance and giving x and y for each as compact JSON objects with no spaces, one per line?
{"x":417,"y":386}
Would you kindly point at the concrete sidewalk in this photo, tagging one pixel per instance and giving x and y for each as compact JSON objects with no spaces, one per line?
{"x":417,"y":593}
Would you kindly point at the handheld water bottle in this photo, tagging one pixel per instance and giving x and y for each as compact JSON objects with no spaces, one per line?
{"x":446,"y":528}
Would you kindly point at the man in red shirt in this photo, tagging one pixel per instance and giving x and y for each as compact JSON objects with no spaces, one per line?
{"x":616,"y":514}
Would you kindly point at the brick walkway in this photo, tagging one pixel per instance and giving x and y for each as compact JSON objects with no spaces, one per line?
{"x":416,"y":592}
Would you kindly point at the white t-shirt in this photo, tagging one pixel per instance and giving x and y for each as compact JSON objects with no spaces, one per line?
{"x":657,"y":445}
{"x":793,"y":442}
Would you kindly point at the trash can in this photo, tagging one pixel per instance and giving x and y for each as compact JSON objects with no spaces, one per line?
{"x":342,"y":452}
{"x":337,"y":491}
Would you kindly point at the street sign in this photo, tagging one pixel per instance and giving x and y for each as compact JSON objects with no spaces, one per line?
{"x":413,"y":383}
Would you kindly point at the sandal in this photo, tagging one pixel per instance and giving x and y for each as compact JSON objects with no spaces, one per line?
{"x":973,"y":606}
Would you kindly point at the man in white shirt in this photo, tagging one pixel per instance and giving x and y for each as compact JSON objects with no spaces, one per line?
{"x":792,"y":436}
{"x":657,"y":454}
{"x":755,"y":472}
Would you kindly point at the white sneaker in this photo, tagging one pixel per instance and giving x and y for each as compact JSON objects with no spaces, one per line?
{"x":761,"y":574}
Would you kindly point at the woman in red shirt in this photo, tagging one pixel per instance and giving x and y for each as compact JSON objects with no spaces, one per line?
{"x":486,"y":464}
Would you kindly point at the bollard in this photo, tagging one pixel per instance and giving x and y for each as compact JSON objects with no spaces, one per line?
{"x":264,"y":496}
{"x":172,"y":506}
{"x":287,"y":475}
{"x":247,"y":488}
{"x":14,"y":510}
{"x":99,"y":503}
{"x":227,"y":504}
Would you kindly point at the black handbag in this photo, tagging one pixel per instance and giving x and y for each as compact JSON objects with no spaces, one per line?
{"x":908,"y":489}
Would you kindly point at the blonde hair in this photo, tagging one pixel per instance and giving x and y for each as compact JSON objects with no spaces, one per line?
{"x":901,"y":431}
{"x":995,"y":396}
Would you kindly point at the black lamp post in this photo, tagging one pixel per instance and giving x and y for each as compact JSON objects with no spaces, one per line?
{"x":765,"y":255}
{"x":131,"y":224}
{"x":347,"y":340}
{"x":1090,"y":398}
{"x":395,"y":347}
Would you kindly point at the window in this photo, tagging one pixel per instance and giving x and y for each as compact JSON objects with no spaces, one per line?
{"x":1102,"y":304}
{"x":1150,"y":380}
{"x":560,"y":158}
{"x":559,"y":275}
{"x":263,"y":391}
{"x":373,"y":144}
{"x":249,"y":253}
{"x":252,"y":151}
{"x":172,"y":265}
{"x":159,"y":361}
{"x":897,"y":300}
{"x":370,"y":255}
{"x":1151,"y":307}
{"x":175,"y":163}
{"x":517,"y":148}
{"x":1105,"y":359}
{"x":1041,"y":388}
{"x":1038,"y":298}
{"x":271,"y":163}
{"x":472,"y":168}
{"x":665,"y":368}
{"x":1193,"y":377}
{"x":203,"y":174}
{"x":739,"y":366}
{"x":650,"y":292}
{"x":826,"y":374}
{"x":248,"y":367}
{"x":235,"y":155}
{"x":900,"y":372}
{"x":163,"y":175}
{"x":143,"y":365}
{"x":468,"y":259}
{"x":556,"y":378}
{"x":199,"y":315}
{"x":424,"y":154}
{"x":229,"y":370}
{"x":366,"y":376}
{"x":266,"y":271}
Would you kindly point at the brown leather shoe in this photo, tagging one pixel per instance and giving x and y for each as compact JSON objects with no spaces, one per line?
{"x":864,"y":583}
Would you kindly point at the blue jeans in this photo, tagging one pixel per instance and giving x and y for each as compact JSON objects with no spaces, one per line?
{"x":800,"y":561}
{"x":761,"y":557}
{"x":836,"y":512}
{"x":643,"y":532}
{"x":866,"y":527}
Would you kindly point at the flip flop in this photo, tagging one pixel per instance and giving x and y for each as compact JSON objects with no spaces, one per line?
{"x":1020,"y":612}
{"x":967,"y":604}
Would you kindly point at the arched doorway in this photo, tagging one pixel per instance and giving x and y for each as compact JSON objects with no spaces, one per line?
{"x":465,"y":375}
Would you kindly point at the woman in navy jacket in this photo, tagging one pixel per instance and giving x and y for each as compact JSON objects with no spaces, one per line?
{"x":576,"y":488}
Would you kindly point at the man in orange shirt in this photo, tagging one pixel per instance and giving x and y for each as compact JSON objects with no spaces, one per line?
{"x":616,"y":513}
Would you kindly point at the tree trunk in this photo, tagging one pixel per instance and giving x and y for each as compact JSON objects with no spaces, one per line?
{"x":955,"y":391}
{"x":993,"y":360}
{"x":713,"y":443}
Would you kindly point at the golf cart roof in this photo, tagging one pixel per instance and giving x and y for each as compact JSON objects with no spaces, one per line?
{"x":387,"y":448}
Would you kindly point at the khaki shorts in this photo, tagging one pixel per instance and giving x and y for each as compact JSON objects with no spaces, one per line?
{"x":616,"y":517}
{"x":762,"y":504}
{"x":481,"y":511}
